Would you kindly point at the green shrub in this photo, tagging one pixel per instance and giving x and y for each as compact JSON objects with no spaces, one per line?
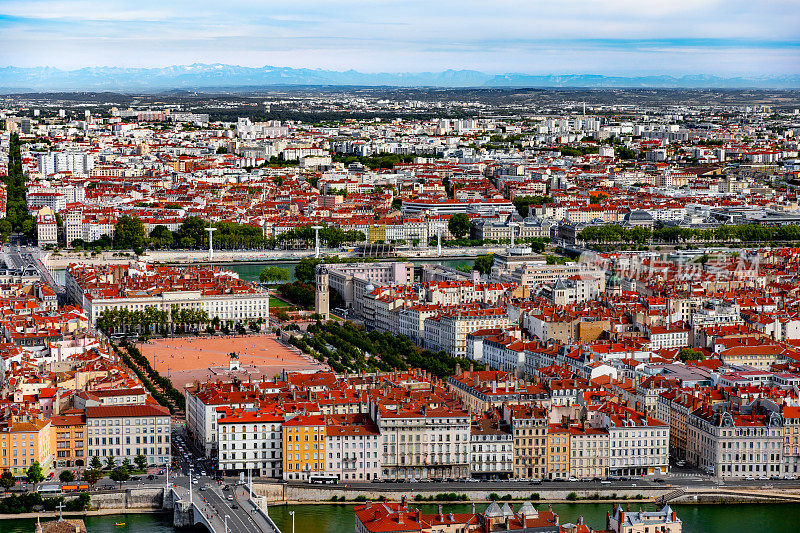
{"x":572,"y":496}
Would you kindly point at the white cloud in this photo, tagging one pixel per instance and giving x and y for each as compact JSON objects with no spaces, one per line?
{"x":611,"y":36}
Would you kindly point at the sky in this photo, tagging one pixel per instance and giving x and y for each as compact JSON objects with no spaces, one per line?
{"x":610,"y":37}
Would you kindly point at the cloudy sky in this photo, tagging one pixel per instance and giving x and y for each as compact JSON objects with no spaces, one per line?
{"x":612,"y":37}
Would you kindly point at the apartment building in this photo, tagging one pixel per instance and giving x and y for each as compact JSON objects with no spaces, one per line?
{"x":304,"y":447}
{"x":423,"y":442}
{"x":625,"y":521}
{"x":491,"y":449}
{"x":529,"y":428}
{"x":69,"y":436}
{"x":589,"y":452}
{"x":736,"y":441}
{"x":448,"y":330}
{"x":203,"y":403}
{"x":138,"y":286}
{"x":125,"y":431}
{"x":353,"y":446}
{"x":25,"y":439}
{"x":639,"y":444}
{"x":249,"y":440}
{"x":558,"y":452}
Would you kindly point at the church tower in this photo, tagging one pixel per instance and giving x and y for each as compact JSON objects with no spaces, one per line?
{"x":322,"y":294}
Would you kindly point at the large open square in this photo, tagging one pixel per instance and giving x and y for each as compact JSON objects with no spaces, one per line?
{"x":186,"y":359}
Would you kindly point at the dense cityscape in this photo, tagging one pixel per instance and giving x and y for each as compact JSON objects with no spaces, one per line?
{"x":401,"y":296}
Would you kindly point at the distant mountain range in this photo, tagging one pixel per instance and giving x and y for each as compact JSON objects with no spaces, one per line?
{"x":221,"y":76}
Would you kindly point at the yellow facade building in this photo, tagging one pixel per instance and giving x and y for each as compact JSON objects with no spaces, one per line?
{"x":303,"y":447}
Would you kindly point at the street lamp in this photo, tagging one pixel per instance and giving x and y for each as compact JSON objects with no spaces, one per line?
{"x":291,"y":513}
{"x":211,"y":231}
{"x":316,"y":246}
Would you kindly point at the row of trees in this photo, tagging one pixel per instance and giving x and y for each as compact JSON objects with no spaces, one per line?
{"x":17,"y":218}
{"x":349,"y":348}
{"x":671,"y":234}
{"x":129,"y":233}
{"x":161,"y":388}
{"x":152,"y":319}
{"x":328,"y":235}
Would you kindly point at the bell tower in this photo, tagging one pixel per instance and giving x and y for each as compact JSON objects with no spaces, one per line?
{"x":322,"y":294}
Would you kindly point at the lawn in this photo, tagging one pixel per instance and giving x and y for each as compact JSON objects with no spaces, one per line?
{"x":275,"y":303}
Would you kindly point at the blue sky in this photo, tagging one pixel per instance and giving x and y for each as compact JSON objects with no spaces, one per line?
{"x":612,"y":37}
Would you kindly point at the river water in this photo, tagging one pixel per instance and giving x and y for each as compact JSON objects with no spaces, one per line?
{"x":751,"y":518}
{"x":741,"y":518}
{"x":250,"y":271}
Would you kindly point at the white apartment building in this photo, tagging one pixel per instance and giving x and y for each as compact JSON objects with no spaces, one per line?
{"x":249,"y":440}
{"x":421,"y":442}
{"x":353,"y":444}
{"x":75,"y":162}
{"x":639,"y":445}
{"x":221,"y":301}
{"x":448,"y":331}
{"x":125,"y":431}
{"x":589,"y":452}
{"x":204,"y":404}
{"x":491,"y":450}
{"x":736,"y":441}
{"x":668,"y":337}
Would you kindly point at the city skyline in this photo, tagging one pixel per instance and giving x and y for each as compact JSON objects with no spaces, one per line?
{"x":618,"y":38}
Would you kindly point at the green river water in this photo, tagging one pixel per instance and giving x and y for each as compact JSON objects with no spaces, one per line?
{"x":744,"y":518}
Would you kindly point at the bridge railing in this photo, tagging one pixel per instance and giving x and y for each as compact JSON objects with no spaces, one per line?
{"x":260,"y":511}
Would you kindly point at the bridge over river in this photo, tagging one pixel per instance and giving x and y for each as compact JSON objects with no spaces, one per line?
{"x":231,"y":511}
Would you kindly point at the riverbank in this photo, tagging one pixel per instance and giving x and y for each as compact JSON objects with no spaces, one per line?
{"x":82,"y":514}
{"x":62,"y":259}
{"x":282,"y":494}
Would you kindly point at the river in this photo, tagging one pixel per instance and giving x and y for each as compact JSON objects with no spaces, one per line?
{"x":250,"y":271}
{"x":740,"y":518}
{"x":750,"y":518}
{"x":134,"y":523}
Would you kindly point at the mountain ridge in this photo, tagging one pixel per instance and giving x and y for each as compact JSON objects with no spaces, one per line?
{"x":201,"y":75}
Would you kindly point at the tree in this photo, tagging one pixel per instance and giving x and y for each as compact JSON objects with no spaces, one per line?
{"x":306,"y":270}
{"x":483,"y":263}
{"x":689,"y":354}
{"x":129,"y":232}
{"x":110,"y":462}
{"x":192,"y":232}
{"x":92,"y":475}
{"x":161,"y":237}
{"x":35,"y":473}
{"x":141,"y":462}
{"x":96,"y":463}
{"x":459,"y":225}
{"x":7,"y":480}
{"x":120,"y":474}
{"x":272,"y":274}
{"x":66,"y":476}
{"x":523,"y":203}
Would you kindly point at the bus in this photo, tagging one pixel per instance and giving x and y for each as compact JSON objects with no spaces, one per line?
{"x":323,"y":479}
{"x":73,"y":487}
{"x":49,"y":488}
